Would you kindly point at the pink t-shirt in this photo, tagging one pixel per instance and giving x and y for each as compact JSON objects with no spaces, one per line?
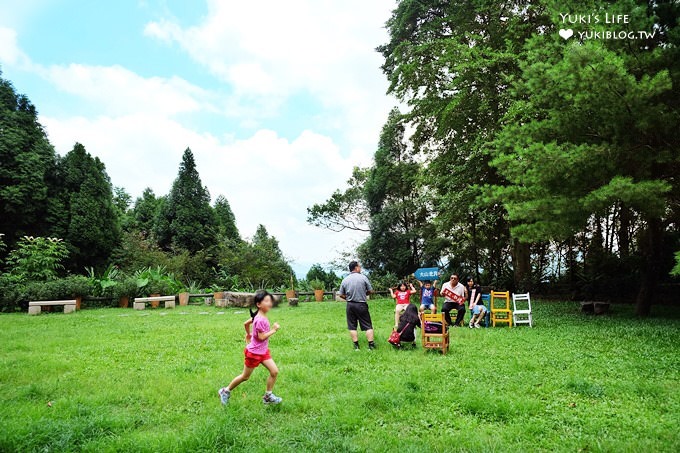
{"x":403,"y":297}
{"x":260,"y":325}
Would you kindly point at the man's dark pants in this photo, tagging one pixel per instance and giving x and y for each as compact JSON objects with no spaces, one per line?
{"x":448,"y":306}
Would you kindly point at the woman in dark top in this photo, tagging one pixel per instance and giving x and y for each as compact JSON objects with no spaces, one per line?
{"x":475,"y":302}
{"x":408,"y":322}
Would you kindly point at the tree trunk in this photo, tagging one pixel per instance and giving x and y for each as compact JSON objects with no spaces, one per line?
{"x":571,"y":262}
{"x":624,"y":225}
{"x":651,"y":253}
{"x":475,"y":250}
{"x":521,"y":257}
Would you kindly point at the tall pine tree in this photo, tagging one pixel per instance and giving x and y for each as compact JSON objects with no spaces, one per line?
{"x":595,"y":126}
{"x":452,"y":62}
{"x":397,"y":206}
{"x":186,"y":220}
{"x":145,"y":211}
{"x":226,"y":220}
{"x":26,"y":162}
{"x":83,"y":210}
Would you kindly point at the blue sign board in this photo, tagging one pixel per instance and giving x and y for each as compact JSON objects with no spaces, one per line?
{"x":427,"y":273}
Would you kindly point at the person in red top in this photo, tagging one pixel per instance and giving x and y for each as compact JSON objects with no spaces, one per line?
{"x":402,"y":295}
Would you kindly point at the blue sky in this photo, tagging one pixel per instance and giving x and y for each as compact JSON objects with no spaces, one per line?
{"x":277,"y":100}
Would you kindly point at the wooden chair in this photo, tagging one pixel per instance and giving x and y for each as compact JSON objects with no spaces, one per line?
{"x":523,"y":315}
{"x":502,"y":312}
{"x":435,"y":340}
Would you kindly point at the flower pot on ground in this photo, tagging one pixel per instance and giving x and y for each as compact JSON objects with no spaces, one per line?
{"x":290,"y":293}
{"x":319,"y":288}
{"x":155,"y":303}
{"x":219,"y":299}
{"x":124,"y":291}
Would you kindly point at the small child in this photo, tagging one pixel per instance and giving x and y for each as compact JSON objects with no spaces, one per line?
{"x":257,"y":351}
{"x":403,"y":298}
{"x":407,"y":324}
{"x":427,"y":290}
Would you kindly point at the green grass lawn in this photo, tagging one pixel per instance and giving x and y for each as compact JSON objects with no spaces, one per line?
{"x":122,"y":380}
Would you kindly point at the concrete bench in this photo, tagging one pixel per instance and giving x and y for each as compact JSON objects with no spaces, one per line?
{"x":34,"y":308}
{"x":140,"y":302}
{"x":595,"y":307}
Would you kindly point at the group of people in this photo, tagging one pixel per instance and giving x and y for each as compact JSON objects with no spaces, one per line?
{"x":456,"y":297}
{"x":355,"y":289}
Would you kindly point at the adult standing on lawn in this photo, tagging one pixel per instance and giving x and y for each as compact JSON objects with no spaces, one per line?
{"x":455,"y":294}
{"x":355,"y":289}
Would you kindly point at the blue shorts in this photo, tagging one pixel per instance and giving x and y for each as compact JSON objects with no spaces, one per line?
{"x":478,"y":308}
{"x":428,"y":305}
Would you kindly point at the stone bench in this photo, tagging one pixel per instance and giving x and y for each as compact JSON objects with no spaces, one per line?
{"x":139,"y":303}
{"x":595,"y":307}
{"x":34,"y":308}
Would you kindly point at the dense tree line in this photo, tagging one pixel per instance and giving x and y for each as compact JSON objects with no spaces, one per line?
{"x":539,"y":163}
{"x":71,"y":198}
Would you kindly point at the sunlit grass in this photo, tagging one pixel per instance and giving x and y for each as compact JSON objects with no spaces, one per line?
{"x":121,"y":380}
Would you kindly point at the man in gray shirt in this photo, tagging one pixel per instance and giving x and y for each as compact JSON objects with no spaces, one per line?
{"x":354,"y":289}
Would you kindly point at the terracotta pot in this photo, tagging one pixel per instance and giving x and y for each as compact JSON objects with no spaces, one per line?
{"x":184,"y":298}
{"x":123,"y":302}
{"x":79,"y":299}
{"x":290,"y":294}
{"x":318,"y":294}
{"x":155,"y":303}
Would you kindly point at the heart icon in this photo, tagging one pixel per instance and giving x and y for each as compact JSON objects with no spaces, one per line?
{"x":566,"y":33}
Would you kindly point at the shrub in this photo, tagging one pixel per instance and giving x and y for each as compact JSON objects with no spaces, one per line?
{"x":103,"y":284}
{"x":37,"y":259}
{"x":10,"y":294}
{"x":157,"y":280}
{"x":329,"y":278}
{"x":64,"y":288}
{"x":125,"y":288}
{"x":317,"y":285}
{"x":384,"y":281}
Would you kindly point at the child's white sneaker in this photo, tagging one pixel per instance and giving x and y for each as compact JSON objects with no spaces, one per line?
{"x":477,"y":326}
{"x":224,"y":395}
{"x":270,"y":398}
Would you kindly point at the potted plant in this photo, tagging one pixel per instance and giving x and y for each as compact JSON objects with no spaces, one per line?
{"x":71,"y":287}
{"x":290,"y":293}
{"x":319,"y":289}
{"x":156,"y":288}
{"x":124,"y":291}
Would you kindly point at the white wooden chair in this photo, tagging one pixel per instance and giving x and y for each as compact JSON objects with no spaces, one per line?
{"x":522,"y":315}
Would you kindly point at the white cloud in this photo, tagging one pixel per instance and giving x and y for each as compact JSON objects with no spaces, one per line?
{"x":10,"y":53}
{"x":273,"y":49}
{"x":119,"y":91}
{"x":267,"y":179}
{"x":323,"y":50}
